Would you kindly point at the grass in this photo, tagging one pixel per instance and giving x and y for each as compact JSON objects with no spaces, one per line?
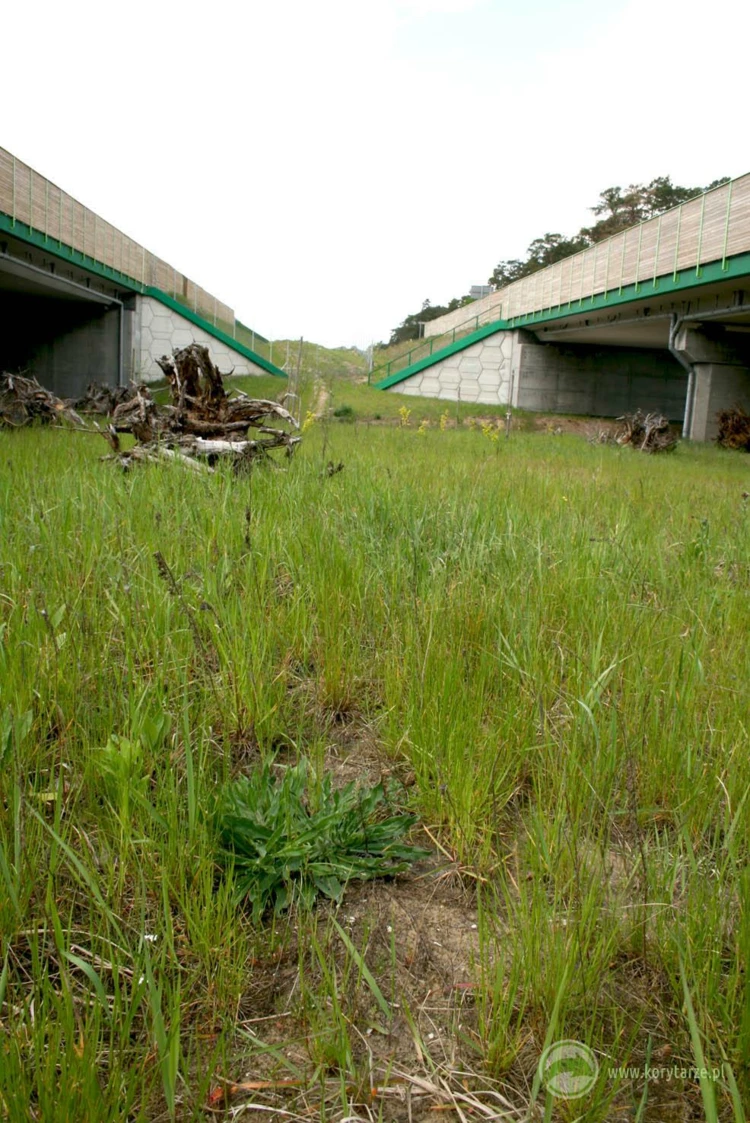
{"x":370,"y":404}
{"x":550,"y":637}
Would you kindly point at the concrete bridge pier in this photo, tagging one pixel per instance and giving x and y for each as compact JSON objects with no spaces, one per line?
{"x":720,"y":361}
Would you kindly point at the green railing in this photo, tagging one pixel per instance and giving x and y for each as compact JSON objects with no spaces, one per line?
{"x":425,"y":347}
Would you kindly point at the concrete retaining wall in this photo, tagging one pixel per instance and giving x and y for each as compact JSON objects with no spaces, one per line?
{"x":599,"y":381}
{"x":64,"y":343}
{"x":480,"y":373}
{"x":158,"y":330}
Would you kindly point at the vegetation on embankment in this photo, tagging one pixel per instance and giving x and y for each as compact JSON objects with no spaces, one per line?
{"x":543,"y":641}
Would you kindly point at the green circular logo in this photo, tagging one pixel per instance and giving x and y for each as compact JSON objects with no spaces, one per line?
{"x":568,"y":1069}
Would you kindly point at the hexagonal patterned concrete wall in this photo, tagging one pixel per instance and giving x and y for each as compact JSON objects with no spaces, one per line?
{"x":158,"y":331}
{"x":481,"y":373}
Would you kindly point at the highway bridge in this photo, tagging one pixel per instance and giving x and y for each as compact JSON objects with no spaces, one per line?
{"x":81,"y":301}
{"x":656,"y":317}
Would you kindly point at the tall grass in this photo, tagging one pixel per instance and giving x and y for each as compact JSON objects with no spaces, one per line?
{"x":554,"y":635}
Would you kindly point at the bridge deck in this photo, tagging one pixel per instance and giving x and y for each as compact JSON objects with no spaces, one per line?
{"x":713,"y":227}
{"x":30,"y":199}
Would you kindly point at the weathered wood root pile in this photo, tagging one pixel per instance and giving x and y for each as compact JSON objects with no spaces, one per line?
{"x":203,"y":423}
{"x":103,"y":399}
{"x":23,"y":401}
{"x":734,"y":428}
{"x":646,"y":432}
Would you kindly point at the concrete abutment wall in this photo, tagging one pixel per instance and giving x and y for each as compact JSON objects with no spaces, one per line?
{"x":512,"y":366}
{"x":64,"y":343}
{"x":67,"y":344}
{"x":158,"y":330}
{"x":480,"y":373}
{"x":597,"y":381}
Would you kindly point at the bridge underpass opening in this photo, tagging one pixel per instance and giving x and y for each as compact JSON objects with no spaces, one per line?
{"x":62,"y":333}
{"x":598,"y":380}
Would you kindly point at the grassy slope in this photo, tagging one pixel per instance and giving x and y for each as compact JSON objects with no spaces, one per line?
{"x":317,"y":361}
{"x":553,"y":635}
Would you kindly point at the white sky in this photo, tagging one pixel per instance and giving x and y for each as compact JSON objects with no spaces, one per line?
{"x":325,"y":165}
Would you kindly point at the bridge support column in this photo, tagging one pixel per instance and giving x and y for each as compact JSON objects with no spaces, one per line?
{"x":721,"y":369}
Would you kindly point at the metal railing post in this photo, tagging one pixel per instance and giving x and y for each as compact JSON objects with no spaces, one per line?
{"x":700,"y":237}
{"x":656,"y":251}
{"x":677,"y":244}
{"x":726,"y":227}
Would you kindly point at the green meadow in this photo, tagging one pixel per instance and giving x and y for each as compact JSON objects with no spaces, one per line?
{"x":540,"y":643}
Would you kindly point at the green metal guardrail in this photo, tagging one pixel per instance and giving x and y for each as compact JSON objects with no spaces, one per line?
{"x":426,"y":346}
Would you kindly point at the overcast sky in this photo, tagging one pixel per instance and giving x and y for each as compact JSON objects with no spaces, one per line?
{"x":323,"y":166}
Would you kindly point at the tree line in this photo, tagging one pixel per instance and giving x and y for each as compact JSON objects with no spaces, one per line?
{"x":617,"y":209}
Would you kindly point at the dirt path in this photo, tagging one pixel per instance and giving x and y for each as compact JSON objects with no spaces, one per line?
{"x":321,"y":398}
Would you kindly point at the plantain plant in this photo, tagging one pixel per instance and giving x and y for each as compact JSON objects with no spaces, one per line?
{"x":287,"y":846}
